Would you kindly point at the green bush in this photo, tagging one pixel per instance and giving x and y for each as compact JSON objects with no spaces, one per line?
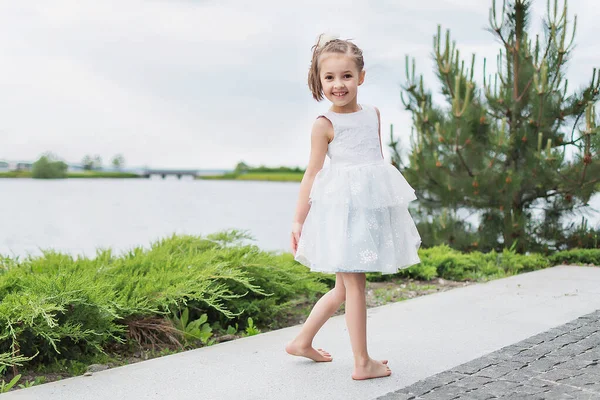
{"x":576,"y":256}
{"x":48,"y":167}
{"x":56,"y":307}
{"x":445,"y":262}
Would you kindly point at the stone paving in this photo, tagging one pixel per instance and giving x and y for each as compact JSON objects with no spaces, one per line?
{"x":561,"y":363}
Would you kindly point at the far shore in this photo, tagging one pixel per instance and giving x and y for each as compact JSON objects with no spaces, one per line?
{"x":258,"y":176}
{"x":250,"y":176}
{"x":86,"y":174}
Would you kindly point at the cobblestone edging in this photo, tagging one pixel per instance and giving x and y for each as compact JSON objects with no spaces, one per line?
{"x":561,"y":363}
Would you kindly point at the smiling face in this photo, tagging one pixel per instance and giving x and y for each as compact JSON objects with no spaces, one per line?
{"x":340,"y":80}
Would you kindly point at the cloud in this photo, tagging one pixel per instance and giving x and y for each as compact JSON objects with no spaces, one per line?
{"x":206,"y":84}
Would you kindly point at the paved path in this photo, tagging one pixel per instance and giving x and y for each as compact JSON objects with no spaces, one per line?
{"x":561,"y":363}
{"x":421,"y":337}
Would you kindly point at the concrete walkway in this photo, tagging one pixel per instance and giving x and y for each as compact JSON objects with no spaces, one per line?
{"x":421,"y":337}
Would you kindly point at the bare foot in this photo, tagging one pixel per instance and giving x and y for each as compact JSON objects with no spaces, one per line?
{"x":318,"y":355}
{"x":373,"y":369}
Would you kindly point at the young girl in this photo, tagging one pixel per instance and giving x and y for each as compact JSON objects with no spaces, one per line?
{"x":351,"y":217}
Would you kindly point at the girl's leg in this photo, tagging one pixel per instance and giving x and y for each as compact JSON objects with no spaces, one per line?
{"x":356,"y":320}
{"x":321,"y":312}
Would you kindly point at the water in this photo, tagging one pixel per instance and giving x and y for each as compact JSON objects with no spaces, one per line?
{"x":78,"y":216}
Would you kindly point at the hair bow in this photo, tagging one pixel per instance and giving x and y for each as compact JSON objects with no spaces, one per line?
{"x":324,"y":38}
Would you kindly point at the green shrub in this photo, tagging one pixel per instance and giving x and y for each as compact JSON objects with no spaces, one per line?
{"x":49,"y":167}
{"x":576,"y":256}
{"x":57,"y":307}
{"x":445,"y":262}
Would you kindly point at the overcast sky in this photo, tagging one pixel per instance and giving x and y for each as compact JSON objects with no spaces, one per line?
{"x":205,"y":84}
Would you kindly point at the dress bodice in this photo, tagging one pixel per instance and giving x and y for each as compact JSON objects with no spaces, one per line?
{"x":356,"y":137}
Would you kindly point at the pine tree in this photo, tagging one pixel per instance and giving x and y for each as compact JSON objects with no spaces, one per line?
{"x":518,"y":142}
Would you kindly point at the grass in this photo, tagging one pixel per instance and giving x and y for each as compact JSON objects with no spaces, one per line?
{"x":98,"y":174}
{"x":258,"y":176}
{"x":83,"y":174}
{"x":15,"y":174}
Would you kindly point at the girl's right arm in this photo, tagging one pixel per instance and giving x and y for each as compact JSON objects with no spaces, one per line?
{"x":321,"y":135}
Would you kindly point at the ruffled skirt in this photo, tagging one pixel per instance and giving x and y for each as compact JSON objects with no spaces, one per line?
{"x":359,"y":221}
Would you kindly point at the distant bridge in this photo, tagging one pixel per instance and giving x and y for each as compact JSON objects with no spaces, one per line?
{"x":147,"y":173}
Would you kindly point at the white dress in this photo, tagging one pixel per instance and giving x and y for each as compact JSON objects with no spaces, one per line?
{"x":358,"y":219}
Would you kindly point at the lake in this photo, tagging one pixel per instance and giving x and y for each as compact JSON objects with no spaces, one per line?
{"x":80,"y":215}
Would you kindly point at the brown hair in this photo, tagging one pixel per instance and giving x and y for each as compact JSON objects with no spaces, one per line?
{"x":332,"y":46}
